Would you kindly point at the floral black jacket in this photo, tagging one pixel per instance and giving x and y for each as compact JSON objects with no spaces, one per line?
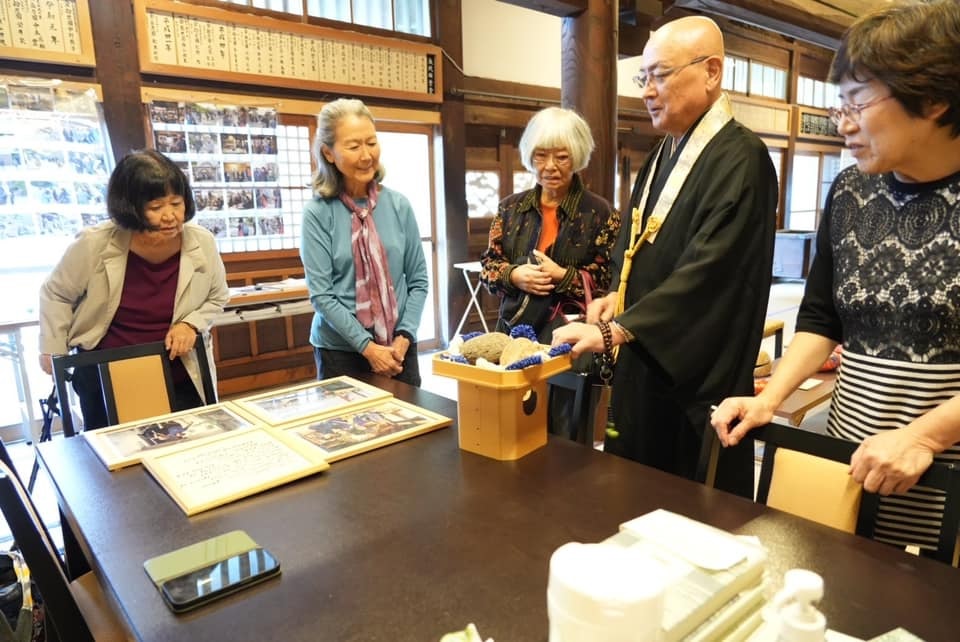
{"x":588,"y":229}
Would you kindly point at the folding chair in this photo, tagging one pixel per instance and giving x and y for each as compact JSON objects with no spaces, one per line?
{"x":137,"y":380}
{"x":75,"y":610}
{"x":805,"y":473}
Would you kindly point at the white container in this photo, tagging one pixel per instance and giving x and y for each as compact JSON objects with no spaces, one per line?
{"x":800,"y":621}
{"x":604,"y":593}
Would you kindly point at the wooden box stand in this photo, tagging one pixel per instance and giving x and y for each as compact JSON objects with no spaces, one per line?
{"x":501,"y":414}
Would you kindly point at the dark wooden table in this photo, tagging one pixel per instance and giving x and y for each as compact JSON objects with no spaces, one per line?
{"x":419,"y":538}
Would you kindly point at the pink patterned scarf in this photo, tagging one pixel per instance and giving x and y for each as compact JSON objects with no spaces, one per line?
{"x":376,"y":300}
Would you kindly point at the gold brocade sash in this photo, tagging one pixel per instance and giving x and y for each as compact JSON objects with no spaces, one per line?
{"x":719,"y":114}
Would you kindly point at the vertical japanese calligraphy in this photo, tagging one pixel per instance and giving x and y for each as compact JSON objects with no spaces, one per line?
{"x":207,"y":39}
{"x":46,"y":30}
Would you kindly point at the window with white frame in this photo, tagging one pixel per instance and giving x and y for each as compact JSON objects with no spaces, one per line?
{"x":768,"y":81}
{"x":753,"y":78}
{"x":483,"y":193}
{"x":735,"y":74}
{"x":817,"y":93}
{"x":404,"y":16}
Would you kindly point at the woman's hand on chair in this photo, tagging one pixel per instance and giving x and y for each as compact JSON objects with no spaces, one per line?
{"x":46,"y":363}
{"x":180,"y":339}
{"x":891,"y":461}
{"x":736,"y":416}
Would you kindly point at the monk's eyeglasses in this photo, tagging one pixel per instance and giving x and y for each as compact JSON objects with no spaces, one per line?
{"x":659,"y":77}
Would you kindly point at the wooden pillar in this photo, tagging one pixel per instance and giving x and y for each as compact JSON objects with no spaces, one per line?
{"x":452,"y":226}
{"x":589,"y":85}
{"x":118,"y":72}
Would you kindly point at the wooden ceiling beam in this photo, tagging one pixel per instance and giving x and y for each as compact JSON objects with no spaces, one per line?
{"x":786,"y":17}
{"x":559,"y":8}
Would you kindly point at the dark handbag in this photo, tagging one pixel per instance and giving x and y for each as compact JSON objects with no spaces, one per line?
{"x":526,"y":309}
{"x":543,"y":313}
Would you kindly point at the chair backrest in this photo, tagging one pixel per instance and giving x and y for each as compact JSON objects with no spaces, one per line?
{"x":137,"y":380}
{"x":46,"y":568}
{"x":805,"y":473}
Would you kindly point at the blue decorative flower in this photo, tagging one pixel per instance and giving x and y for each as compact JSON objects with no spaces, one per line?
{"x":456,"y":358}
{"x":470,"y":335}
{"x":526,"y":361}
{"x":563,"y":348}
{"x":524,"y":330}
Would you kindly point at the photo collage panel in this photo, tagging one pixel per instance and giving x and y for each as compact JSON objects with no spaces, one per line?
{"x":229,"y":153}
{"x":54,"y":162}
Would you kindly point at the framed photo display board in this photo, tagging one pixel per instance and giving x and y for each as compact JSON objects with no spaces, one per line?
{"x":223,"y":469}
{"x":230,"y":153}
{"x":352,"y":431}
{"x":55,"y":162}
{"x":126,"y":444}
{"x":180,"y":39}
{"x":317,"y":398}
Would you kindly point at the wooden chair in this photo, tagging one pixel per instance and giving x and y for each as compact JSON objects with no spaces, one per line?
{"x":137,"y":380}
{"x":805,"y":473}
{"x":580,"y":420}
{"x":774,"y":328}
{"x":76,"y":610}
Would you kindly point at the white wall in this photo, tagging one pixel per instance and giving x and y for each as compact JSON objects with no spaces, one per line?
{"x":504,"y":42}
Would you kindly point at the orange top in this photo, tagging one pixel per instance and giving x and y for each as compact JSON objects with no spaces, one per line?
{"x":549,"y":227}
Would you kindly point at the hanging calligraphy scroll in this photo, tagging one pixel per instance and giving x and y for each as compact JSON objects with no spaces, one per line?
{"x":213,"y":43}
{"x":47,"y":31}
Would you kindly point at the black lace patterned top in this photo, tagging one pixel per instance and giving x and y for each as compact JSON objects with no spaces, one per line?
{"x":886,"y":282}
{"x":886,"y":279}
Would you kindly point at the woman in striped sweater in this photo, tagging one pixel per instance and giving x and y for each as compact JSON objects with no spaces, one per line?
{"x":886,"y":278}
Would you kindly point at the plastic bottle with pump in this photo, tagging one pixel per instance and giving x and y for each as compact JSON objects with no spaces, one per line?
{"x":791,"y":613}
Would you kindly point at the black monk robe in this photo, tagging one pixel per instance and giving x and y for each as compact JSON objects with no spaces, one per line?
{"x":695,"y":302}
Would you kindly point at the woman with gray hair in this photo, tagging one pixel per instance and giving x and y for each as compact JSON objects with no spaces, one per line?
{"x":548,"y":243}
{"x":361,"y":252}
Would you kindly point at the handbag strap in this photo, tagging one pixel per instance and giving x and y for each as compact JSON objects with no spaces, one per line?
{"x":587,"y":280}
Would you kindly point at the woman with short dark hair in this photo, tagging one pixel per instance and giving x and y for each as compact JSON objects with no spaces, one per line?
{"x":143,"y":276}
{"x":886,"y":278}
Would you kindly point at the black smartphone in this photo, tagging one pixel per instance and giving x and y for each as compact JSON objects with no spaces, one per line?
{"x":196,"y":588}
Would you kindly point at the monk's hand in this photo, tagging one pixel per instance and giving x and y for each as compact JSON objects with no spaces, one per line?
{"x":583,"y":337}
{"x":531,"y":278}
{"x":602,"y":308}
{"x":180,"y":339}
{"x":382,"y":359}
{"x":892,"y":461}
{"x":736,"y":416}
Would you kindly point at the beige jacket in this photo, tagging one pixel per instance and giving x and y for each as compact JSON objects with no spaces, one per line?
{"x":80,"y":297}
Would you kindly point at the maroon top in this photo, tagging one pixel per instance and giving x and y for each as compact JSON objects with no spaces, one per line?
{"x":145,"y":312}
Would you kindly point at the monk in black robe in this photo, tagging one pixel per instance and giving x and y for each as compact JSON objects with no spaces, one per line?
{"x":692,"y":271}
